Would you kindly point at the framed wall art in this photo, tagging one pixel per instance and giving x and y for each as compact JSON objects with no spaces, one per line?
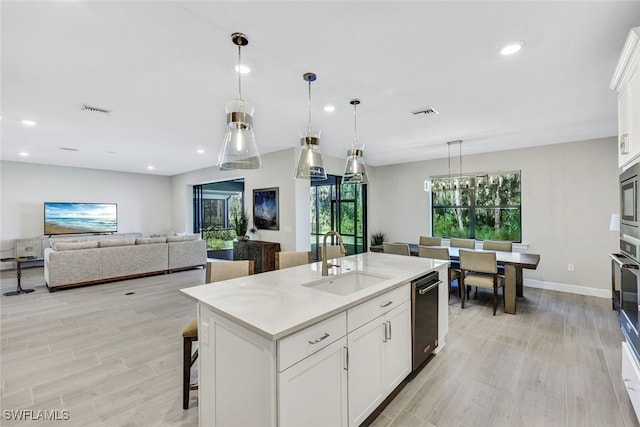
{"x":266,"y":215}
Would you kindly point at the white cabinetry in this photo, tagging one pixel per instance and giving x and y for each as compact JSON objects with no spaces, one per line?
{"x":312,"y":376}
{"x":626,"y":81}
{"x":379,"y":351}
{"x":631,"y":377}
{"x":331,"y":373}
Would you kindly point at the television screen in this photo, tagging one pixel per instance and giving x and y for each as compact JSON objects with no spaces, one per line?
{"x":76,"y":218}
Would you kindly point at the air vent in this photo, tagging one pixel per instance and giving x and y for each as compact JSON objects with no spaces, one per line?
{"x":93,"y":109}
{"x":427,"y":111}
{"x":68,"y":149}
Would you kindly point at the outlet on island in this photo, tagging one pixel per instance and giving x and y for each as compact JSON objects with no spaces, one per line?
{"x":571,"y":267}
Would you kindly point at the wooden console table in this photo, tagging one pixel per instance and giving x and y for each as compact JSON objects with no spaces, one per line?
{"x":263,"y":254}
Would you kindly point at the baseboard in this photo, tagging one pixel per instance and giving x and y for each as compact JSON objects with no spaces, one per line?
{"x":570,"y":289}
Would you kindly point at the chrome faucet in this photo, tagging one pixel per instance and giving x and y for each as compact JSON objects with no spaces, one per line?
{"x":326,"y":264}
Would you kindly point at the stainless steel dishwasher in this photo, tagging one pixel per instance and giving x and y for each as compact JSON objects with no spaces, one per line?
{"x":424,"y":317}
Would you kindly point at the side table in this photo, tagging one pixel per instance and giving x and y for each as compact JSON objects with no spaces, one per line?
{"x":19,"y":260}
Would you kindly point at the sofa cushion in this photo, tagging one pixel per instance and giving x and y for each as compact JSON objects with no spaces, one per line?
{"x":149,"y":240}
{"x":186,"y":238}
{"x":72,"y":246}
{"x":116,"y":242}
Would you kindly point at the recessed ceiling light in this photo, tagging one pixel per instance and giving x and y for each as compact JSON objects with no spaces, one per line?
{"x":329,"y":108}
{"x":511,"y":48}
{"x":200,"y":151}
{"x":23,"y":154}
{"x":150,"y":167}
{"x":28,"y":123}
{"x":243,"y":69}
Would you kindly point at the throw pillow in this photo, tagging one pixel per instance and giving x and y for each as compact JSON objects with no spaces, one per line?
{"x":149,"y":240}
{"x":62,"y":246}
{"x":116,"y":242}
{"x":186,"y":238}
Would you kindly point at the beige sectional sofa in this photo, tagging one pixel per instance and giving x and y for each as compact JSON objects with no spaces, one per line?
{"x":96,"y":259}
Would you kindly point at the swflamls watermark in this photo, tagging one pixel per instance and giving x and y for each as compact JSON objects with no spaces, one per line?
{"x":35,"y":415}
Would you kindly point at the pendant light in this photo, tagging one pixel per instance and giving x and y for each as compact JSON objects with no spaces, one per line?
{"x":239,"y":149}
{"x":310,"y":165}
{"x":355,"y":170}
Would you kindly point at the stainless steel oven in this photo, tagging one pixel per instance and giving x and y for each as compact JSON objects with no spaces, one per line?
{"x":630,"y":305}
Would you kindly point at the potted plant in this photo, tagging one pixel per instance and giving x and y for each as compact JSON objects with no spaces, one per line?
{"x":377,"y":239}
{"x":241,"y":224}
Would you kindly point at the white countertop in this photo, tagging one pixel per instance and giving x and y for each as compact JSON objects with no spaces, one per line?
{"x":275,"y":304}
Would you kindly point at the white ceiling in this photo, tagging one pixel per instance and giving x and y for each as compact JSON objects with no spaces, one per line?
{"x":165,"y":69}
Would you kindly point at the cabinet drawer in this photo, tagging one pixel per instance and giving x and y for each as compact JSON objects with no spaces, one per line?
{"x":365,"y":312}
{"x":296,"y":347}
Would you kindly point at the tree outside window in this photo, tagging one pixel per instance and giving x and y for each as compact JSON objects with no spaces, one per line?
{"x":477,"y":206}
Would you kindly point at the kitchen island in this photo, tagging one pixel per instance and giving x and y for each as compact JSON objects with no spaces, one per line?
{"x":291,"y":347}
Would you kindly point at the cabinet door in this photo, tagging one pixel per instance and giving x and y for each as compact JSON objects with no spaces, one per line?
{"x":313,"y":392}
{"x":633,"y":113}
{"x":365,"y":373}
{"x":396,"y":353}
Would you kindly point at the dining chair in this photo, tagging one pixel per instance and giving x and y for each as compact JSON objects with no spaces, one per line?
{"x":333,"y":251}
{"x":288,"y":259}
{"x":430,"y":241}
{"x":215,"y":272}
{"x":479,"y":269}
{"x":497,"y":245}
{"x":434,"y":252}
{"x":462,"y":243}
{"x":396,"y":248}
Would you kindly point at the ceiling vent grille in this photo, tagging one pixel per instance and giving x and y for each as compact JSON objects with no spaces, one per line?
{"x":427,"y":111}
{"x":93,"y":109}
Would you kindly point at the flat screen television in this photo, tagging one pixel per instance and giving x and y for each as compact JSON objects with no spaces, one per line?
{"x":79,"y":218}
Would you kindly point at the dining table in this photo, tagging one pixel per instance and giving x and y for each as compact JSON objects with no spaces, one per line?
{"x":513,"y":263}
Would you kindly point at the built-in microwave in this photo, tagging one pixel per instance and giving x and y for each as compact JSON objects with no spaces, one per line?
{"x":629,"y":225}
{"x":629,"y":203}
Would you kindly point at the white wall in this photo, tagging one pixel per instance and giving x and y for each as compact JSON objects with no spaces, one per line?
{"x":568,"y":194}
{"x":144,"y":201}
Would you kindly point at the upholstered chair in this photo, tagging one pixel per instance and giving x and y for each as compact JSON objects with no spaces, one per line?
{"x":396,"y":248}
{"x":215,"y":272}
{"x":435,"y":252}
{"x":462,"y":243}
{"x":292,"y":258}
{"x":497,"y":245}
{"x":333,"y":251}
{"x":479,"y":269}
{"x":430,"y":241}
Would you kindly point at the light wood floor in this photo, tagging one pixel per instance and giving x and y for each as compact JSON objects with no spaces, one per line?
{"x":112,"y":359}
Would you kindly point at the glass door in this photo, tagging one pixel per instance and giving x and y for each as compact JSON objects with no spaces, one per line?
{"x":340,"y":207}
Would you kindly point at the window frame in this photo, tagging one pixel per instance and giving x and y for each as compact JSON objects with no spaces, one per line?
{"x":469,"y":181}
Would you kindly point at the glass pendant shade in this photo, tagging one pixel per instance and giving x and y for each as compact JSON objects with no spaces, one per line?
{"x":356,"y":170}
{"x":239,"y":148}
{"x":310,"y":165}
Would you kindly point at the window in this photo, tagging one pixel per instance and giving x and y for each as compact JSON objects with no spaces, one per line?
{"x":479,"y":206}
{"x":340,"y":207}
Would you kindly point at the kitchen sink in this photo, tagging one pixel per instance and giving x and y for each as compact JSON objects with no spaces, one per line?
{"x":347,"y":283}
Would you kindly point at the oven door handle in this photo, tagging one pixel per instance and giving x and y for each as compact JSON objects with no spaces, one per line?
{"x":427,"y":289}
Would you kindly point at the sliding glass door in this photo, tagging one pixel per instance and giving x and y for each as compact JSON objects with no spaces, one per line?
{"x":340,"y":207}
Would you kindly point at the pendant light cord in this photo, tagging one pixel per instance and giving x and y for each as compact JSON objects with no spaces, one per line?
{"x":355,"y":123}
{"x":239,"y":73}
{"x":309,"y":104}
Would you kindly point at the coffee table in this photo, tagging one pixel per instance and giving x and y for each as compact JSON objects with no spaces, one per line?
{"x":19,"y":260}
